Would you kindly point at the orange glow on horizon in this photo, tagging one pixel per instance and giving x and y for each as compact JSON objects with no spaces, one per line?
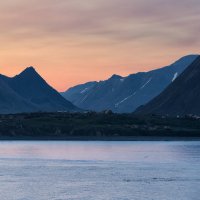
{"x":72,"y":42}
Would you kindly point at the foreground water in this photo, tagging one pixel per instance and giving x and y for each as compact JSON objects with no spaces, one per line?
{"x":100,"y":170}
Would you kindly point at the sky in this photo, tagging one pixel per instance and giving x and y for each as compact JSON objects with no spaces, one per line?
{"x":74,"y":41}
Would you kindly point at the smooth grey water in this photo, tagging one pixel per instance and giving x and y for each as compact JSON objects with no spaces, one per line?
{"x":99,"y":170}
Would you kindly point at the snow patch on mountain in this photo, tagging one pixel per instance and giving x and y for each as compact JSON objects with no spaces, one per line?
{"x":122,"y":101}
{"x":85,"y":90}
{"x":146,"y":83}
{"x":175,"y":76}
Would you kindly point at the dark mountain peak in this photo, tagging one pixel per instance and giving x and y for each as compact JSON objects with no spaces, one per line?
{"x":29,"y":74}
{"x":29,"y":92}
{"x":187,"y":58}
{"x":115,"y":76}
{"x":30,"y":70}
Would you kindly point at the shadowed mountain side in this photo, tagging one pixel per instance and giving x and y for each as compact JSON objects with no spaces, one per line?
{"x":29,"y":92}
{"x":11,"y":102}
{"x":180,"y":98}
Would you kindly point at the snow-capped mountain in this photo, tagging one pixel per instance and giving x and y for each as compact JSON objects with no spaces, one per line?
{"x":125,"y":94}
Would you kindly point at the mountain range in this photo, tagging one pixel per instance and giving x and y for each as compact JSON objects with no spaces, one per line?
{"x":182,"y":97}
{"x":29,"y":92}
{"x":125,"y":94}
{"x":171,"y":90}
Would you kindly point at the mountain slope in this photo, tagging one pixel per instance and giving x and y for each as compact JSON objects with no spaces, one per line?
{"x":181,"y":97}
{"x":75,"y":93}
{"x":28,"y":92}
{"x":11,"y":102}
{"x":125,"y":94}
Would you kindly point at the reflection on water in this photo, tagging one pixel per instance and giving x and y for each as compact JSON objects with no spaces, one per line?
{"x":99,"y":170}
{"x":109,"y":151}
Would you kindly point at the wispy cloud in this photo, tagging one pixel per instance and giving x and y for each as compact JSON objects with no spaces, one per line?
{"x":114,"y":19}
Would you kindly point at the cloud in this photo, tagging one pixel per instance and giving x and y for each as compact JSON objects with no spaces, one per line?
{"x":109,"y":32}
{"x":113,"y":20}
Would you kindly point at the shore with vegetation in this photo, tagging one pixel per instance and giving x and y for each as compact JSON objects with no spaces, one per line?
{"x":97,"y":126}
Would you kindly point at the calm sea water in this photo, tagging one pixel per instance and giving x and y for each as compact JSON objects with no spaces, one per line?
{"x":99,"y":170}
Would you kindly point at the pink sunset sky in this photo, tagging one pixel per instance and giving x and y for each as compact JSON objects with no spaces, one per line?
{"x":75,"y":41}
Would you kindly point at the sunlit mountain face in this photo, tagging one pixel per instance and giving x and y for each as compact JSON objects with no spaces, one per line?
{"x":71,"y":42}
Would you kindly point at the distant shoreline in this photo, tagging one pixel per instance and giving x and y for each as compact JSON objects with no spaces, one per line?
{"x":125,"y":139}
